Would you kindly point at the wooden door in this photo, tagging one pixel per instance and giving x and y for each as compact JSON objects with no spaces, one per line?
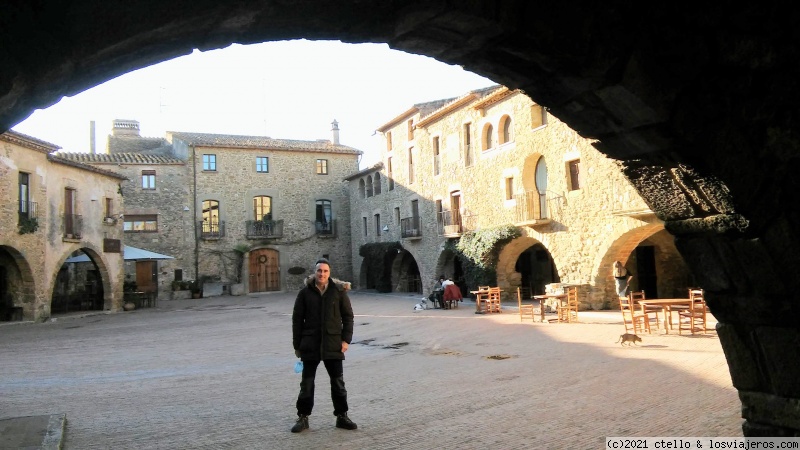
{"x":146,"y":276}
{"x":264,"y":270}
{"x":69,"y":210}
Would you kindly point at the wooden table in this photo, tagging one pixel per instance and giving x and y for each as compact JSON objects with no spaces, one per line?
{"x":666,"y":305}
{"x":479,"y":297}
{"x":543,"y":297}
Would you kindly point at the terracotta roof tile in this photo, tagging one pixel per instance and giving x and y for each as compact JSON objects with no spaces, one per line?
{"x":261,"y":142}
{"x":121,"y":158}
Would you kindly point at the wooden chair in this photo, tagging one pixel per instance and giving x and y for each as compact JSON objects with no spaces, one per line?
{"x":633,"y":316}
{"x":524,"y":308}
{"x":693,"y":318}
{"x":526,"y":291}
{"x":451,"y":296}
{"x":650,"y":312}
{"x":493,"y":301}
{"x":568,"y":310}
{"x":482,"y":299}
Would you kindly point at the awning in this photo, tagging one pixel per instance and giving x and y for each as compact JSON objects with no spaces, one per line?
{"x":129,"y":254}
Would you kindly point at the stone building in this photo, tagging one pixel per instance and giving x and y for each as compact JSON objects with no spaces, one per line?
{"x":245,"y":213}
{"x":54,"y":207}
{"x":493,"y":160}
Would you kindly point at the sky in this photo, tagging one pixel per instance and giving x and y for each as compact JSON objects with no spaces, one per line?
{"x":284,"y":90}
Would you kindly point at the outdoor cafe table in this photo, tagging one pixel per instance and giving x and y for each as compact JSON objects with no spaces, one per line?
{"x":479,"y":298}
{"x":666,"y":305}
{"x":543,"y":297}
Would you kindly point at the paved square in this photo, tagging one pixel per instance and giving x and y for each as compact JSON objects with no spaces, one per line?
{"x":217,"y":373}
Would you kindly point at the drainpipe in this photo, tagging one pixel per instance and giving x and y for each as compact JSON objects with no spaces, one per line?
{"x":194,"y":216}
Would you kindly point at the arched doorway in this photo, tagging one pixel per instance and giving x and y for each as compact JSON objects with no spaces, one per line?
{"x":405,"y":273}
{"x":536,"y":268}
{"x":264,"y":270}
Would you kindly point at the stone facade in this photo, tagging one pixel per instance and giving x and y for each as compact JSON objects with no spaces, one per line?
{"x":170,"y":188}
{"x":583,"y":222}
{"x":70,"y":202}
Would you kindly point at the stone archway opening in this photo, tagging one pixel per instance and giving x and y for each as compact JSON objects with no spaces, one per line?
{"x":536,"y":269}
{"x":650,"y":255}
{"x":450,"y":265}
{"x":16,"y":286}
{"x":406,"y":274}
{"x":80,"y":284}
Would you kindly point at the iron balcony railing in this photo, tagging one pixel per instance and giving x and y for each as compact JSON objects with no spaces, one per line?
{"x":73,"y":224}
{"x":410,"y":227}
{"x":325,"y":228}
{"x":455,"y":223}
{"x":212,"y":230}
{"x":27,"y":210}
{"x":264,"y":229}
{"x":531,"y":206}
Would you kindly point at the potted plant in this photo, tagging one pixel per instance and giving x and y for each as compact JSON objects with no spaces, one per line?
{"x":128,"y":289}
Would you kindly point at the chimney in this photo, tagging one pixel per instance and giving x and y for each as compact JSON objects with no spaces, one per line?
{"x":126,"y":127}
{"x":92,"y":141}
{"x":335,"y":130}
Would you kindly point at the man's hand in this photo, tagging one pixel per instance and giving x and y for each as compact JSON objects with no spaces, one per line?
{"x":344,"y":346}
{"x":297,"y":353}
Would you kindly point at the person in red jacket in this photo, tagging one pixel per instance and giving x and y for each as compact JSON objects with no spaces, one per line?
{"x":322,"y":329}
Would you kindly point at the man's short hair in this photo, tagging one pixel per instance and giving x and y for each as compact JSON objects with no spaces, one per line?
{"x":322,"y":261}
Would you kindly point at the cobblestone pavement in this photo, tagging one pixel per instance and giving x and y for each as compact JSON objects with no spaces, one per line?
{"x":217,"y":373}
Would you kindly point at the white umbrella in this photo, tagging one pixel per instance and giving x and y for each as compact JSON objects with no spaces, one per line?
{"x":128,"y":254}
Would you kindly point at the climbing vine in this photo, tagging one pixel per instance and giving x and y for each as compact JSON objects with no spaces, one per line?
{"x":378,"y":258}
{"x":478,"y":252}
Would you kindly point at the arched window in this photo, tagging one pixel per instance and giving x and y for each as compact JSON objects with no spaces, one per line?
{"x":262,"y":207}
{"x":376,"y":184}
{"x":369,"y":186}
{"x":362,"y":188}
{"x":488,"y":136}
{"x":324,"y":217}
{"x":506,"y":130}
{"x":541,"y":187}
{"x":210,"y":216}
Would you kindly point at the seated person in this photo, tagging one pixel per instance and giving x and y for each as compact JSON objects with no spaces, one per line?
{"x":438,"y":292}
{"x":452,"y":294}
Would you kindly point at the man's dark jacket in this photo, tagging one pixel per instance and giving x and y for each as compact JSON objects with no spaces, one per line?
{"x":321,"y":322}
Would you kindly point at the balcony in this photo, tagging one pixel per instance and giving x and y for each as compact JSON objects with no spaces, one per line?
{"x":452,"y":224}
{"x":325,"y":229}
{"x":73,"y":225}
{"x":534,"y":209}
{"x":626,"y":201}
{"x":27,"y":210}
{"x":264,"y":229}
{"x":410,"y":228}
{"x":212,"y":230}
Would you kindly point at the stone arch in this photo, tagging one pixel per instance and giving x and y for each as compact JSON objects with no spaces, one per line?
{"x":604,"y":78}
{"x":508,"y":279}
{"x":108,"y":282}
{"x":505,"y":130}
{"x":406,"y":273}
{"x":487,"y":136}
{"x":20,"y":283}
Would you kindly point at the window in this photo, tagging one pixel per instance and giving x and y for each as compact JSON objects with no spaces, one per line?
{"x":369,"y":186}
{"x":397,"y":215}
{"x":506,"y":130}
{"x":538,"y":116}
{"x":377,"y":224}
{"x":210,"y":217}
{"x":262,"y":164}
{"x":390,"y":182}
{"x":210,"y":163}
{"x":141,"y":223}
{"x":410,"y":165}
{"x":436,"y":157}
{"x":25,"y":210}
{"x":376,"y":183}
{"x":324,"y":217}
{"x":71,"y":221}
{"x":322,"y":167}
{"x":468,"y":151}
{"x":410,"y":129}
{"x":148,"y":179}
{"x":262,"y":207}
{"x":439,"y":213}
{"x":574,"y":169}
{"x":109,"y":207}
{"x":510,"y":188}
{"x":362,"y":188}
{"x":365,"y":226}
{"x":389,"y":141}
{"x":178,"y":274}
{"x":488,"y":136}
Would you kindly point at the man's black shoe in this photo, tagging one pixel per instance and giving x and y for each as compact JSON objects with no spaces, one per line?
{"x":302,"y":424}
{"x":342,"y":421}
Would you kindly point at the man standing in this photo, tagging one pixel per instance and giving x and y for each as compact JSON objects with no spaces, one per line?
{"x":322,"y":328}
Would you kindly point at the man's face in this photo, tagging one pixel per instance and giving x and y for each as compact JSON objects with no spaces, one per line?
{"x":323,"y":273}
